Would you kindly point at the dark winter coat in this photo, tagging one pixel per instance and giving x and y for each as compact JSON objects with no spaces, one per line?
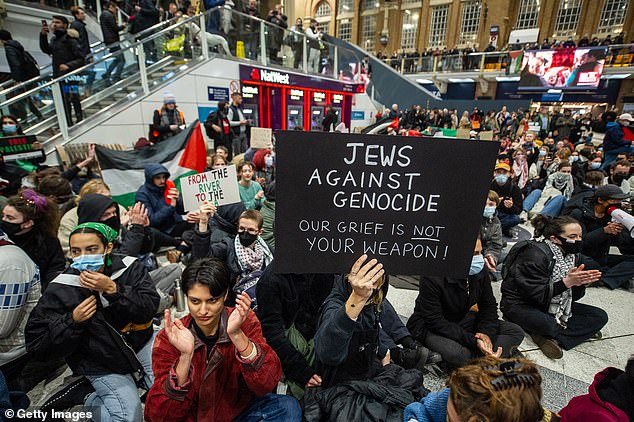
{"x":383,"y":398}
{"x":527,"y":277}
{"x":347,"y":350}
{"x":45,"y":251}
{"x":91,"y":347}
{"x":224,"y":250}
{"x":64,"y":49}
{"x":84,"y":42}
{"x":162,"y":215}
{"x":443,"y":302}
{"x":109,"y":28}
{"x":491,"y":235}
{"x":613,"y":138}
{"x":15,"y":58}
{"x":147,"y":17}
{"x":291,"y":299}
{"x":135,"y":241}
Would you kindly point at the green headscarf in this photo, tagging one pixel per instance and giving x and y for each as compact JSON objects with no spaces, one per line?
{"x":108,"y":232}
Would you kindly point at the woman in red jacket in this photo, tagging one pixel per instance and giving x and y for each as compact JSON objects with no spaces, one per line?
{"x":214,"y":364}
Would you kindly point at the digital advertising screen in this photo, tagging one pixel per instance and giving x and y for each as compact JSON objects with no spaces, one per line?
{"x":566,"y":69}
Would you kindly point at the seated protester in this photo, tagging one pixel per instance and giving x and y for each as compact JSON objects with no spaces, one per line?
{"x":444,"y":319}
{"x":16,"y":269}
{"x":600,"y":233}
{"x":543,"y":280}
{"x":164,"y":208}
{"x":168,"y":120}
{"x":98,"y":316}
{"x":214,"y":364}
{"x":552,"y":199}
{"x":251,"y":192}
{"x":268,"y":215}
{"x":486,"y":390}
{"x":592,"y":180}
{"x":223,"y":151}
{"x":246,"y":254}
{"x":491,"y":232}
{"x":70,"y":219}
{"x":351,"y":356}
{"x":521,"y":167}
{"x":58,"y":190}
{"x":264,"y":162}
{"x":510,"y":195}
{"x":609,"y":398}
{"x":11,"y":176}
{"x":216,"y":161}
{"x":619,"y":175}
{"x":614,"y":141}
{"x":30,"y":220}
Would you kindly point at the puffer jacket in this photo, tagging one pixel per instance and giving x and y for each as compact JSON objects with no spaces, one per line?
{"x":94,"y":347}
{"x":64,"y":49}
{"x":162,"y":215}
{"x":613,"y":138}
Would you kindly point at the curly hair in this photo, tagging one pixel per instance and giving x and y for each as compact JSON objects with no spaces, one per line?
{"x":45,"y":217}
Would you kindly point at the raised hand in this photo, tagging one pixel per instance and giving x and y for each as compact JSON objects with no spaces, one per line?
{"x":239,"y":314}
{"x":96,"y":281}
{"x":178,"y":335}
{"x":579,"y":277}
{"x":364,"y":278}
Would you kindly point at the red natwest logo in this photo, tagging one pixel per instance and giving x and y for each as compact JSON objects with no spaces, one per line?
{"x":255,"y":75}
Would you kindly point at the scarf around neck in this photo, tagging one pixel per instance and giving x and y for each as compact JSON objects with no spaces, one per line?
{"x":561,"y":306}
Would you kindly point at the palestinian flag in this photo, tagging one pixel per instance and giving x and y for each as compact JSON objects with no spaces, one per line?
{"x":123,"y":171}
{"x":516,"y":61}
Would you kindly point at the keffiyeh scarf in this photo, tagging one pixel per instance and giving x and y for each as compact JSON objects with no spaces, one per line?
{"x":561,"y":306}
{"x":253,"y":259}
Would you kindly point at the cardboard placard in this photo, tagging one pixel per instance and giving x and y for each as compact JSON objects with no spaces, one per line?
{"x":486,"y":135}
{"x":220,"y":187}
{"x":463,"y":133}
{"x":414,"y":203}
{"x":19,"y":148}
{"x":261,"y":137}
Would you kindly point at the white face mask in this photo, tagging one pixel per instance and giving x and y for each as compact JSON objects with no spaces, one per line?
{"x":625,"y":123}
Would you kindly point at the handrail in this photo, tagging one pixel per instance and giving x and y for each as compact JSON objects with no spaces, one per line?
{"x":98,"y":44}
{"x":130,"y":47}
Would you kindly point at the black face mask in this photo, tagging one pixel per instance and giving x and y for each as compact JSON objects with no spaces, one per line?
{"x":618,"y":178}
{"x":10,"y":228}
{"x":247,"y":239}
{"x":114,"y":223}
{"x":570,"y":246}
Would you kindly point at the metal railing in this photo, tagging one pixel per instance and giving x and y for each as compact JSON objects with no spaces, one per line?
{"x":621,"y":55}
{"x":149,"y":63}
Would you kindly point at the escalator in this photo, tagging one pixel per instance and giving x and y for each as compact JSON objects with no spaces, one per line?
{"x":151,"y":65}
{"x":387,"y":86}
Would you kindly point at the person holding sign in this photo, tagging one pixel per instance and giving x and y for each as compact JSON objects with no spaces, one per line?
{"x":246,"y":254}
{"x":214,"y":364}
{"x":97,"y":315}
{"x":444,"y":319}
{"x":251,"y":192}
{"x":543,"y":280}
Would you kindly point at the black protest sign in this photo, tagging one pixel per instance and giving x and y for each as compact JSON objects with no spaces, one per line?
{"x":19,"y":148}
{"x":413,"y":203}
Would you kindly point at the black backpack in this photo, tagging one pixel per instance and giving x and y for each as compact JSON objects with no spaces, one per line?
{"x":31,"y":68}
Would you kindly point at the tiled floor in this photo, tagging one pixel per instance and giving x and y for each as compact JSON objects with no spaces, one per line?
{"x":571,"y":375}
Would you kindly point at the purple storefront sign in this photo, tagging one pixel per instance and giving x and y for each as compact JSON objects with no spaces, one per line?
{"x":255,"y":74}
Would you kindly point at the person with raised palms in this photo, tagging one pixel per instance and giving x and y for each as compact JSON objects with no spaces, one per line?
{"x":217,"y":353}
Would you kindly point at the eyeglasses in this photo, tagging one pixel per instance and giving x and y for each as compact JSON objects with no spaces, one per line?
{"x":250,"y":231}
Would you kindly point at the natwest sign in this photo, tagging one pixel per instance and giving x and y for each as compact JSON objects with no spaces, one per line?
{"x":271,"y":76}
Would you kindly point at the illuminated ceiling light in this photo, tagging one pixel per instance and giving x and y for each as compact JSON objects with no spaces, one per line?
{"x":409,"y":12}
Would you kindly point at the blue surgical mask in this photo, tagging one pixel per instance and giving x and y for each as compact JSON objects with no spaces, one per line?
{"x":488,"y":211}
{"x":477,"y":264}
{"x":501,"y":178}
{"x":268,"y":161}
{"x":594,"y":165}
{"x":574,"y":158}
{"x":87,"y":263}
{"x":10,"y":129}
{"x":542,"y":153}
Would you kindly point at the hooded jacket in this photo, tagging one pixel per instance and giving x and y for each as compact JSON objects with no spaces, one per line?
{"x":15,"y":58}
{"x":613,"y":138}
{"x":162,"y":215}
{"x":347,"y":350}
{"x":135,"y":241}
{"x":64,"y":49}
{"x":45,"y":251}
{"x":93,"y":347}
{"x":593,"y":406}
{"x":219,"y":387}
